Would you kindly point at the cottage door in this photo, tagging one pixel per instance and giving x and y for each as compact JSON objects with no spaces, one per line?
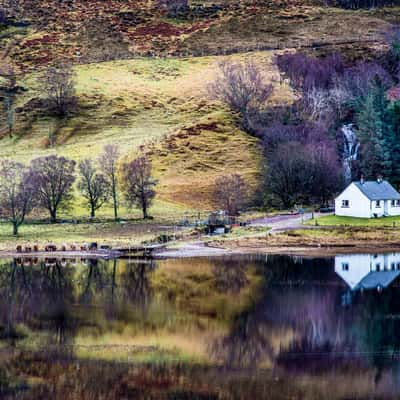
{"x":385,"y":207}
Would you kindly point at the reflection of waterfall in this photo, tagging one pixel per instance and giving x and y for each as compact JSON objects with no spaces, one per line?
{"x":350,"y":150}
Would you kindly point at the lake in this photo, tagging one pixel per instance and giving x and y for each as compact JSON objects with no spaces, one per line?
{"x":243,"y":327}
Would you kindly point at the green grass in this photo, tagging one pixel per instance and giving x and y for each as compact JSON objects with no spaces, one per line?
{"x":143,"y":102}
{"x":132,"y":230}
{"x":122,"y":102}
{"x":333,"y":220}
{"x":104,"y":233}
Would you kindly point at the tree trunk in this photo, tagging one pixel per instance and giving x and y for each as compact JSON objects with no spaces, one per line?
{"x":15,"y":228}
{"x":115,"y":204}
{"x":53,"y":216}
{"x":92,"y":212}
{"x":144,"y":209}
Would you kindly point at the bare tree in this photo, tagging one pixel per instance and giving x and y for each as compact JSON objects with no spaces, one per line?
{"x":93,"y":186}
{"x":339,"y":98}
{"x":53,"y":178}
{"x":108,"y":162}
{"x":17,"y":192}
{"x":230,"y":193}
{"x":59,"y":87}
{"x":243,"y":88}
{"x":139,"y":184}
{"x":315,"y":105}
{"x":303,"y":173}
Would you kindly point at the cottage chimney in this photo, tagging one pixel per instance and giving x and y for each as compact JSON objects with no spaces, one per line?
{"x":379,"y":179}
{"x":362,"y":179}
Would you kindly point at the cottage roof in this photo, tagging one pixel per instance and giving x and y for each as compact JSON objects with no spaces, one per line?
{"x":375,"y":190}
{"x":377,"y":278}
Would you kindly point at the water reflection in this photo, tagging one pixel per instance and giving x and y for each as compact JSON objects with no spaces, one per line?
{"x":263,"y":327}
{"x":230,"y":279}
{"x":368,"y":271}
{"x":54,"y":297}
{"x":301,"y":325}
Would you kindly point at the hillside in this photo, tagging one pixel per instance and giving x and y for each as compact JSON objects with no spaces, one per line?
{"x":143,"y":78}
{"x":88,"y":31}
{"x":162,"y":104}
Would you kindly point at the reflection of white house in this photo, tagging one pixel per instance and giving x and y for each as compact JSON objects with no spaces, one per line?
{"x":367,"y":199}
{"x":368,"y":271}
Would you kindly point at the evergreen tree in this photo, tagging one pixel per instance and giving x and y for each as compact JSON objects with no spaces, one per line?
{"x":394,"y":118}
{"x":375,"y":134}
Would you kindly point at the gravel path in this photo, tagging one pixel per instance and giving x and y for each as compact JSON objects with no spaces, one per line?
{"x":281,"y":223}
{"x":194,"y":249}
{"x":278,"y":223}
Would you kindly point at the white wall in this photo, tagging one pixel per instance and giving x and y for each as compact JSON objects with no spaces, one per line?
{"x":393,"y":210}
{"x":379,"y":211}
{"x":360,"y":265}
{"x":359,"y":204}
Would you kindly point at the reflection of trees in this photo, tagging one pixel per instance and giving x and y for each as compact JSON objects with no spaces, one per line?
{"x":248,"y":343}
{"x":136,"y":288}
{"x":285,"y":306}
{"x":114,"y":283}
{"x":230,"y":277}
{"x":93,"y":279}
{"x":299,"y":322}
{"x":130,"y":289}
{"x":52,"y":295}
{"x":35,"y":294}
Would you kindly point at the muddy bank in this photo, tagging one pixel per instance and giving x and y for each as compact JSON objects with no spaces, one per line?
{"x":287,"y":243}
{"x":318,"y":242}
{"x":214,"y":250}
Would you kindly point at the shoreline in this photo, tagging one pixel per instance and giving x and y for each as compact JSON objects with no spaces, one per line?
{"x":201,"y":249}
{"x":303,"y":251}
{"x":61,"y":254}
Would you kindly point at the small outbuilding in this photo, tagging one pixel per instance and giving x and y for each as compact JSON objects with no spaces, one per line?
{"x":368,"y":199}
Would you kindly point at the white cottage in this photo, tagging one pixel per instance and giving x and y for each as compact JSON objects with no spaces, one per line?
{"x":368,"y":199}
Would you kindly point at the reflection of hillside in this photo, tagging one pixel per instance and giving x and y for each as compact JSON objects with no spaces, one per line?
{"x":276,"y":329}
{"x":301,"y":324}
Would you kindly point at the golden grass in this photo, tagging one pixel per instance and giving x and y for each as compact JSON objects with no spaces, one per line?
{"x":163,"y":104}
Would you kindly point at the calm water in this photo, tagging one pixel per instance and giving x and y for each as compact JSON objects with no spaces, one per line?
{"x":224,"y":328}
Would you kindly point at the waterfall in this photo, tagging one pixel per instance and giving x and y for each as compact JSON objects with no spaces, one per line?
{"x":350,"y":150}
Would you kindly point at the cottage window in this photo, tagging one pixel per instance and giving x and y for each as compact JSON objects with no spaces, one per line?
{"x":345,"y":266}
{"x":393,"y":266}
{"x":398,"y":265}
{"x":378,"y":204}
{"x":378,"y":266}
{"x":345,"y":203}
{"x":393,"y":203}
{"x":398,"y":203}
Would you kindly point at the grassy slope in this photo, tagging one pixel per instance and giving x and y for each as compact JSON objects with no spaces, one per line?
{"x":162,"y":104}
